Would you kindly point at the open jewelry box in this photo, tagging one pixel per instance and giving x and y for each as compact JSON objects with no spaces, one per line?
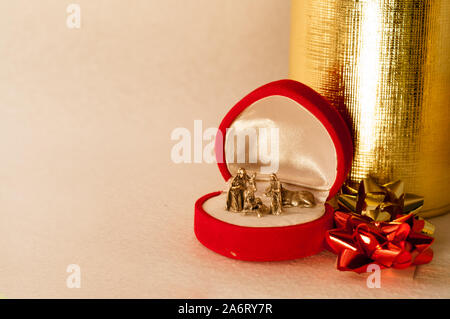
{"x":314,"y":154}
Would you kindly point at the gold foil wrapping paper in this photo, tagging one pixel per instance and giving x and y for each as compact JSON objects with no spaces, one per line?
{"x":385,"y":65}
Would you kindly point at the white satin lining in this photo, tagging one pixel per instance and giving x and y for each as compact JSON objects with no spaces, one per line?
{"x":307,"y":161}
{"x":307,"y":156}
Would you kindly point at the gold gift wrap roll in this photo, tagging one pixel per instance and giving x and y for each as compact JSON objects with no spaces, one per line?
{"x":385,"y":65}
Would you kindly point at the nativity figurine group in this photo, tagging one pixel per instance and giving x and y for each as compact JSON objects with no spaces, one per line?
{"x":241,"y":196}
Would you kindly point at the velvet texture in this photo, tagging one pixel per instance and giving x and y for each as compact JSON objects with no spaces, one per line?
{"x":260,"y":243}
{"x":315,"y":152}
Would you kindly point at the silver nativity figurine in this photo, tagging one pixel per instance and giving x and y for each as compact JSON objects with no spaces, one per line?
{"x":241,"y":196}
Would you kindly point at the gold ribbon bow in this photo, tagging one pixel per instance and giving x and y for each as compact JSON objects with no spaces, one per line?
{"x":381,"y":203}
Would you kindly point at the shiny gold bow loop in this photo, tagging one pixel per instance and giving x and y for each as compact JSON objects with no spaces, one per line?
{"x":381,"y":203}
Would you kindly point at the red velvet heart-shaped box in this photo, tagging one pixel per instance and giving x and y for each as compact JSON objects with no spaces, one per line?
{"x":313,"y":149}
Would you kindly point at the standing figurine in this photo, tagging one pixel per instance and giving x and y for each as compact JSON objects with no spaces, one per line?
{"x":236,"y":193}
{"x":274,"y":192}
{"x":253,"y":204}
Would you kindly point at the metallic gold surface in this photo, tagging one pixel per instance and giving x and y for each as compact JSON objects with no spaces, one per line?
{"x":382,"y":203}
{"x":385,"y":65}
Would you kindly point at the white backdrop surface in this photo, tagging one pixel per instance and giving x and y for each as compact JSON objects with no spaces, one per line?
{"x":86,"y":175}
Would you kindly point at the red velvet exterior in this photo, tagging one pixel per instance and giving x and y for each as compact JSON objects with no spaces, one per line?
{"x":276,"y":243}
{"x":261,"y":243}
{"x":314,"y":103}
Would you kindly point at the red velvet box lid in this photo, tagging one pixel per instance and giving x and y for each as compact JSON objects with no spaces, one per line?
{"x":312,"y":101}
{"x":292,"y":241}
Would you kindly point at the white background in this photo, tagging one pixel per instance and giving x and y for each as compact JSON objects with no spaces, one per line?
{"x":85,"y":171}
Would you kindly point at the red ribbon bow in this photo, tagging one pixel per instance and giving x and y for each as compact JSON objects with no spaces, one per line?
{"x":360,"y":241}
